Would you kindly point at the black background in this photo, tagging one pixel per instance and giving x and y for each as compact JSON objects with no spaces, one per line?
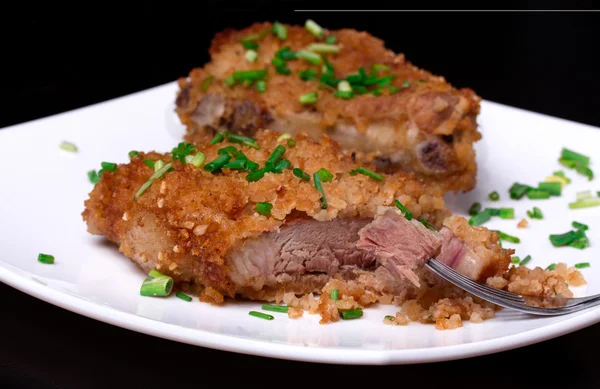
{"x":53,"y":61}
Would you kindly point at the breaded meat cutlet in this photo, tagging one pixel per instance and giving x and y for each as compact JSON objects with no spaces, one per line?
{"x":268,"y":229}
{"x":397,"y":115}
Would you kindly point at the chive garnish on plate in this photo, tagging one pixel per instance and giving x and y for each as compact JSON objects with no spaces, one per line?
{"x":351,"y":314}
{"x":261,"y":315}
{"x":275,"y":308}
{"x":46,"y":258}
{"x":474,"y":209}
{"x":183,"y":296}
{"x":68,"y":146}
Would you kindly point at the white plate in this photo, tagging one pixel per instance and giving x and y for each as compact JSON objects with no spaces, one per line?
{"x":43,"y":189}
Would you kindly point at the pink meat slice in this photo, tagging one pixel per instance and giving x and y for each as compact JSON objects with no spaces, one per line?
{"x":402,"y":246}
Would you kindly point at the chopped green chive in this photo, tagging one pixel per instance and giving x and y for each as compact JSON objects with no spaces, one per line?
{"x":325,"y":175}
{"x":351,"y":314}
{"x":561,"y":174}
{"x":93,"y":176}
{"x":291,"y":143}
{"x":407,"y":214}
{"x":344,"y":94}
{"x":582,"y":265}
{"x":534,"y":194}
{"x":525,"y":260}
{"x":517,"y":191}
{"x":158,"y":165}
{"x":261,"y":86}
{"x":285,"y":136}
{"x":536,"y":213}
{"x":475,"y":209}
{"x":251,"y":144}
{"x":283,"y":70}
{"x":68,"y":146}
{"x":389,"y":318}
{"x":238,"y":164}
{"x":380,"y":67}
{"x":155,"y":274}
{"x":405,"y":84}
{"x":580,"y":226}
{"x":280,"y":31}
{"x":207,"y":81}
{"x":576,"y":239}
{"x":250,"y":45}
{"x":309,"y":56}
{"x":480,"y":218}
{"x":515,"y":259}
{"x":251,"y":56}
{"x":275,"y":308}
{"x":255,"y":37}
{"x":308,"y":74}
{"x":554,"y":188}
{"x":308,"y":98}
{"x":366,"y":172}
{"x":585,"y":203}
{"x":261,"y":315}
{"x":159,"y":286}
{"x":133,"y":154}
{"x":182,"y":150}
{"x":227,"y":150}
{"x":344,"y":86}
{"x":314,"y":28}
{"x":256,"y":175}
{"x":494,"y":196}
{"x":275,"y":156}
{"x":334,"y":294}
{"x":331,"y":39}
{"x":217,"y":139}
{"x":551,"y":267}
{"x":183,"y":296}
{"x":237,"y":138}
{"x":281,"y":165}
{"x":46,"y":258}
{"x":286,"y":54}
{"x":216,"y":165}
{"x":109,"y":166}
{"x":229,"y":81}
{"x":158,"y":174}
{"x":427,"y":224}
{"x":508,"y":238}
{"x":198,"y":159}
{"x":573,"y":156}
{"x":249,"y":75}
{"x":319,"y":187}
{"x":324,"y":48}
{"x":300,"y":174}
{"x":507,"y":213}
{"x":149,"y":163}
{"x":264,"y":208}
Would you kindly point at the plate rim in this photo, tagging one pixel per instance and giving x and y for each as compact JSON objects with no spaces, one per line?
{"x":312,"y":354}
{"x":342,"y":356}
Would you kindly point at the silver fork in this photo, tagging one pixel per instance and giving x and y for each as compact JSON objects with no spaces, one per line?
{"x":548,"y":306}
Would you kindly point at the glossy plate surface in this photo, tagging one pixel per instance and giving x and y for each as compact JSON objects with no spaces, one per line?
{"x":43,"y":189}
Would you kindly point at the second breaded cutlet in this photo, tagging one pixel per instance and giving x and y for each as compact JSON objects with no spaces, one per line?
{"x":398,"y":116}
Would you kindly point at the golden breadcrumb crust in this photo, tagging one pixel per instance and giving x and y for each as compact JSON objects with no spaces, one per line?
{"x":187,"y":221}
